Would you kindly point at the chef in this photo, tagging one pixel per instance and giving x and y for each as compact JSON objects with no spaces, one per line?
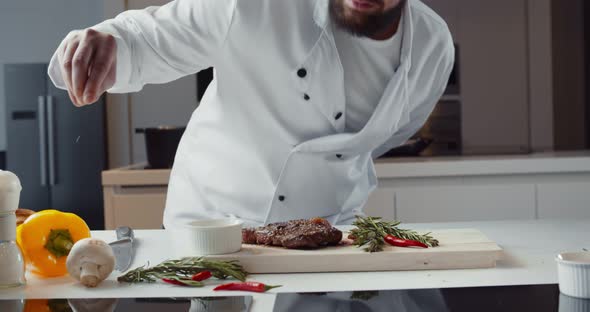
{"x":306,"y":94}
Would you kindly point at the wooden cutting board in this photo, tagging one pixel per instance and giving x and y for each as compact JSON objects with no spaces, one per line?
{"x":459,"y":249}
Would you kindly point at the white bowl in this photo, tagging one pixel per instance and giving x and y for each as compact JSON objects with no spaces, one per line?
{"x":208,"y":237}
{"x":573,"y":272}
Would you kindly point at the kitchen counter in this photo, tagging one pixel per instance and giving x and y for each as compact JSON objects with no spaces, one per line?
{"x":536,"y":163}
{"x":529,"y":247}
{"x":483,"y":188}
{"x":412,"y":167}
{"x":459,"y":188}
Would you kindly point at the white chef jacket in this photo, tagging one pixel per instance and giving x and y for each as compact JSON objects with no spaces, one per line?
{"x":268,"y":141}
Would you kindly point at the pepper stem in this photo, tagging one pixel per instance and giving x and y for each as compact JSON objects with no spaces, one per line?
{"x":59,"y":242}
{"x":268,"y":287}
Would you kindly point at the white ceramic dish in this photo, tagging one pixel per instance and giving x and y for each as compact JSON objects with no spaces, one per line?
{"x":573,"y":271}
{"x":208,"y":237}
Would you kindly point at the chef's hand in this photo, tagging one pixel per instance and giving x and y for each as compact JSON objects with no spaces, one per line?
{"x":87,"y":60}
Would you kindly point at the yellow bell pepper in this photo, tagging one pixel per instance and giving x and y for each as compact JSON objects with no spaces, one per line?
{"x":45,"y":305}
{"x":46,"y":238}
{"x":37,"y":305}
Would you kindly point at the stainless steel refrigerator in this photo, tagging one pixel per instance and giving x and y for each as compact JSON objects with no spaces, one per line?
{"x":56,"y":149}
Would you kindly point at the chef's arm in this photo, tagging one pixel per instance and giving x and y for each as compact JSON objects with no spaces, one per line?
{"x":429,"y":89}
{"x":158,"y":44}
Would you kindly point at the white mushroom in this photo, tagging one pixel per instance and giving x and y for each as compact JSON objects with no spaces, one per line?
{"x":90,"y":261}
{"x":93,"y":305}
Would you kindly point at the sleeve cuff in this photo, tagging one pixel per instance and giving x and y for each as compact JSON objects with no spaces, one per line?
{"x":124,"y":70}
{"x":55,"y":73}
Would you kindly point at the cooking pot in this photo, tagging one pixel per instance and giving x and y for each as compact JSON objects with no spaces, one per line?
{"x":412,"y":148}
{"x":161,"y":144}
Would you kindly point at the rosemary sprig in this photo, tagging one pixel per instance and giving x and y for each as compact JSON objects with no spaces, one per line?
{"x":364,"y":295}
{"x":184,"y":268}
{"x":369,"y":233}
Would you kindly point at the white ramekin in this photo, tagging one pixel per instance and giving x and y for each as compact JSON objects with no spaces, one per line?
{"x":571,"y":304}
{"x":218,"y":304}
{"x":573,"y":272}
{"x":208,"y":237}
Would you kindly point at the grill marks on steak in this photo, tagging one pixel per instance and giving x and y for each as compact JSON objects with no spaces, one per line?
{"x":294,"y":234}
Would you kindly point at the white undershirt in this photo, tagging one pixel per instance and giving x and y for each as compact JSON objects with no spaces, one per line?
{"x":368,"y":66}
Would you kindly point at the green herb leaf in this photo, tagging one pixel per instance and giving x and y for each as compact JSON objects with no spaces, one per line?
{"x":369,"y":233}
{"x":184,"y":269}
{"x":364,"y":295}
{"x":58,"y":305}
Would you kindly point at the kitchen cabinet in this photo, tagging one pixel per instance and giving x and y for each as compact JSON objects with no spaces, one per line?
{"x":381,"y":203}
{"x":134,"y":197}
{"x":491,"y":37}
{"x":493,"y":60}
{"x":428,"y":189}
{"x":465,"y":203}
{"x":564,"y":200}
{"x":137,"y":207}
{"x":450,"y":189}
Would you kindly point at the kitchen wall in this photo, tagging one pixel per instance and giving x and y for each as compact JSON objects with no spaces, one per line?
{"x":31,"y":30}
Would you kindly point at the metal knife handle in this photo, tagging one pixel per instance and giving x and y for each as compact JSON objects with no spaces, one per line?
{"x":42,"y":139}
{"x":51,"y":140}
{"x":124,"y":232}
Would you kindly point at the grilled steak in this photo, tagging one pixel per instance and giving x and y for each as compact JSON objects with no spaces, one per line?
{"x":294,"y":234}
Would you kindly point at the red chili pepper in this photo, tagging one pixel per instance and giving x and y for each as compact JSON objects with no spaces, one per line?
{"x":246,"y":286}
{"x":201,"y":276}
{"x":394,"y":241}
{"x":188,"y":283}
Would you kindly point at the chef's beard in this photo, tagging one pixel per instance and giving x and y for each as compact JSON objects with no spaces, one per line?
{"x":364,"y":25}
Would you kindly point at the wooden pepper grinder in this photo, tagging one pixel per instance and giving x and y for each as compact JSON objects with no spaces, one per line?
{"x":12,"y":264}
